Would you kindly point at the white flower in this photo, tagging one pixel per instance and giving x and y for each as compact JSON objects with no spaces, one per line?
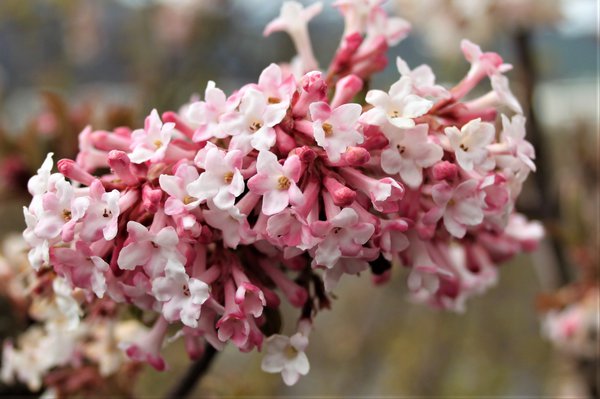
{"x":336,"y":129}
{"x":222,"y":180}
{"x":286,"y":355}
{"x":398,"y":107}
{"x":252,"y":126}
{"x":470,"y":143}
{"x":150,"y":143}
{"x":409,"y":152}
{"x":181,"y":296}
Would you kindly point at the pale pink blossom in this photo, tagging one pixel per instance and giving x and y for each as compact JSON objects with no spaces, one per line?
{"x":399,"y":106}
{"x":181,"y":296}
{"x":221,"y":180}
{"x":470,"y":143}
{"x":513,"y":135}
{"x":150,"y":143}
{"x":180,"y":199}
{"x":61,"y":211}
{"x":460,"y":207}
{"x":293,"y":19}
{"x":151,"y":250}
{"x":276,"y":183}
{"x":81,"y":267}
{"x":286,"y":355}
{"x":205,"y":115}
{"x":336,"y":129}
{"x":344,"y":235}
{"x":252,"y":126}
{"x":409,"y":152}
{"x":276,"y":85}
{"x":101,"y":215}
{"x":423,"y":80}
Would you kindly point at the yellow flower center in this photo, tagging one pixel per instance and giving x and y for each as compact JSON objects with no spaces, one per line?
{"x":328,"y":129}
{"x":66,"y":214}
{"x":188,"y":199}
{"x":228,"y":177}
{"x":283,"y":183}
{"x":254,"y":126}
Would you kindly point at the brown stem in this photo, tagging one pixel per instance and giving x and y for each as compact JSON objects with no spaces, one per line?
{"x":193,"y":375}
{"x":548,"y":207}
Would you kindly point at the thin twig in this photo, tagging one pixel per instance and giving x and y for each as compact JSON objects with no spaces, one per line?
{"x":544,"y":175}
{"x":193,"y":375}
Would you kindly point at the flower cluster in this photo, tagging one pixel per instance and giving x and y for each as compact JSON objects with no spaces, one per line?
{"x":208,"y":217}
{"x":65,"y":350}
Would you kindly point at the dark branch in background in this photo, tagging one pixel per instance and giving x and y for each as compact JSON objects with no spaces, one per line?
{"x":548,"y":206}
{"x":193,"y":375}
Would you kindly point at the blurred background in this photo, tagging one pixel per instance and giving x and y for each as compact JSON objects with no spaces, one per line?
{"x":68,"y":63}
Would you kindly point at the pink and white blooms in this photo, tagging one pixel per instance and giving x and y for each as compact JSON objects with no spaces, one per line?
{"x":221,"y":180}
{"x":210,"y":217}
{"x":286,"y":355}
{"x":181,"y":296}
{"x":336,"y":130}
{"x":410,"y":151}
{"x":150,"y":143}
{"x":398,"y":107}
{"x":470,"y":143}
{"x":276,"y":183}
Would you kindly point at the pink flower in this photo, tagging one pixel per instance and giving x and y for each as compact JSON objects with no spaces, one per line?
{"x":423,"y":80}
{"x":336,"y":129}
{"x":293,"y":19}
{"x":221,"y":181}
{"x":505,"y":95}
{"x":252,"y":126}
{"x":147,"y":348}
{"x":381,"y":25}
{"x":39,"y":254}
{"x":102,"y":214}
{"x":470,"y":144}
{"x":276,"y":183}
{"x":150,"y":143}
{"x":460,"y":207}
{"x":513,"y":135}
{"x":287,"y":229}
{"x":61,"y":210}
{"x":286,"y":355}
{"x":206,"y":114}
{"x":181,"y":296}
{"x":278,"y":87}
{"x":344,"y":235}
{"x":349,"y":265}
{"x":180,"y":199}
{"x":410,"y":151}
{"x":232,"y":224}
{"x":398,"y":107}
{"x":152,"y":251}
{"x":81,"y":267}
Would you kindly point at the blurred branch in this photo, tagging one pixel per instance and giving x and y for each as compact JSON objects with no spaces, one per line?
{"x":548,"y":207}
{"x":193,"y":375}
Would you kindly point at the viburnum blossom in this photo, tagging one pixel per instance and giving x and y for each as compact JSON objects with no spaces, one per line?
{"x":207,"y":219}
{"x":335,"y":130}
{"x":399,"y":106}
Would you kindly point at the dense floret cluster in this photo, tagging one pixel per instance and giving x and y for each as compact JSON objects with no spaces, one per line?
{"x":209,"y":217}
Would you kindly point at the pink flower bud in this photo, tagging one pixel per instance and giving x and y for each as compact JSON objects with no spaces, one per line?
{"x":151,"y":198}
{"x":74,"y":171}
{"x":345,"y":90}
{"x":444,"y":170}
{"x":342,"y":196}
{"x":120,"y":165}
